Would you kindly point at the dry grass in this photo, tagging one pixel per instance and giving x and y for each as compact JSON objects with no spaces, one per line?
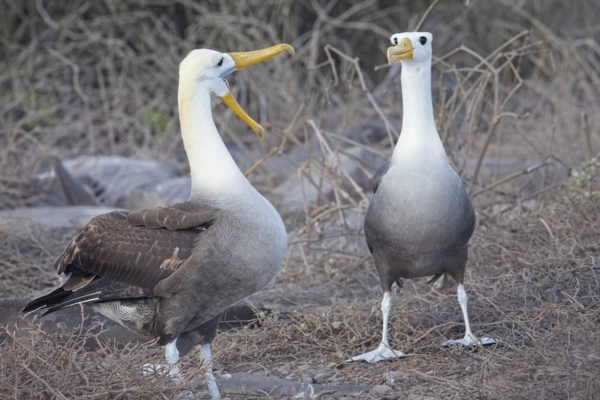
{"x":44,"y":366}
{"x":516,"y":88}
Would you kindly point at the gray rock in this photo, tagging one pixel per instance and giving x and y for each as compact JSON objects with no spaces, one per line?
{"x":319,"y":181}
{"x":111,"y":181}
{"x":282,"y":389}
{"x":24,"y":219}
{"x":176,"y":190}
{"x":395,"y":376}
{"x":321,"y":377}
{"x":113,"y":177}
{"x":285,"y":369}
{"x":382,"y":389}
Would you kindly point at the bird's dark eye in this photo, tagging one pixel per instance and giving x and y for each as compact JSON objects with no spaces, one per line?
{"x":395,"y":40}
{"x":423,"y":40}
{"x":220,"y":62}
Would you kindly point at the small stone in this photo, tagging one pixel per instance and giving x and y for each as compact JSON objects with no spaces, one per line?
{"x":285,"y":369}
{"x":308,"y":379}
{"x":382,"y":389}
{"x":339,"y":354}
{"x":420,"y":397}
{"x":321,"y":377}
{"x":395,"y":376}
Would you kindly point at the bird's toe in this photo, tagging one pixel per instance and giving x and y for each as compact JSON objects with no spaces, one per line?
{"x":381,"y":353}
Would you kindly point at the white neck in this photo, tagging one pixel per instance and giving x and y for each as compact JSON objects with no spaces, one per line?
{"x":419,"y":136}
{"x":212,"y":168}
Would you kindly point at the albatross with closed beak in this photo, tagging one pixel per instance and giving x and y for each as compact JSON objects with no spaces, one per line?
{"x":170,"y":272}
{"x":420,"y":218}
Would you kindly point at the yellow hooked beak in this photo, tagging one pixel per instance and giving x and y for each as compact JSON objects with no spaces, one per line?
{"x":243,"y":59}
{"x":401,"y":51}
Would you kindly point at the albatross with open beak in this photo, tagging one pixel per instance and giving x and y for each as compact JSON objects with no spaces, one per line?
{"x":170,"y":272}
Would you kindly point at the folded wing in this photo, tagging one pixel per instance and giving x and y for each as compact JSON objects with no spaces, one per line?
{"x":123,"y":255}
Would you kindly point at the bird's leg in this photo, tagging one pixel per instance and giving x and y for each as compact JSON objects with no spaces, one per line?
{"x":206,"y":358}
{"x":463,"y":300}
{"x":383,"y":352}
{"x":469,"y":338}
{"x":172,"y":356}
{"x":386,"y":307}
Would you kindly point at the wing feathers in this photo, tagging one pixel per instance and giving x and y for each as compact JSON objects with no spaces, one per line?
{"x":53,"y":297}
{"x":71,"y":301}
{"x":112,"y":248}
{"x":117,"y":256}
{"x":77,"y":282}
{"x":178,"y":216}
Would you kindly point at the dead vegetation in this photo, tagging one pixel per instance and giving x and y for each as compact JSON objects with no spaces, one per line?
{"x":516,"y":88}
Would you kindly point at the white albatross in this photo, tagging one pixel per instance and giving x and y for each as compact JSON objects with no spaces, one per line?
{"x":170,"y":272}
{"x":420,"y":218}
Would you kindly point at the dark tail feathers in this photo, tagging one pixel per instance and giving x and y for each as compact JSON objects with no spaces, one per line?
{"x":51,"y":299}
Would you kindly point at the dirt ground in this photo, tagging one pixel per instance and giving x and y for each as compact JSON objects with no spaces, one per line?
{"x":516,"y":88}
{"x":533,"y":285}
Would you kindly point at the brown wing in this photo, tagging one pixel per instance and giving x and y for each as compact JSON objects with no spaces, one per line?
{"x":108,"y":246}
{"x":177,"y":216}
{"x":114,"y":258}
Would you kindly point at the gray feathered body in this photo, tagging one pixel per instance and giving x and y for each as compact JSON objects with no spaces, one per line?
{"x":419,"y":221}
{"x":170,"y":272}
{"x":236,"y":256}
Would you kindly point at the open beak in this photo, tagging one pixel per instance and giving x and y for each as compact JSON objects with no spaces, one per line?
{"x":243,"y":59}
{"x":237,"y":110}
{"x":401,"y":51}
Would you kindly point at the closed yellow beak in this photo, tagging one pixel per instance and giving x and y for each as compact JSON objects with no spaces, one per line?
{"x":243,"y":59}
{"x":401,"y":51}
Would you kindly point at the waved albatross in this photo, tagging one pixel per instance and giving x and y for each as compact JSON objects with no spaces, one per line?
{"x":170,"y":272}
{"x":420,"y":218}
